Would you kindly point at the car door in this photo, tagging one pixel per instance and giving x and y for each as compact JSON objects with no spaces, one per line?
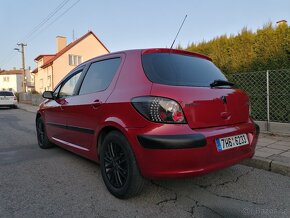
{"x":84,"y":110}
{"x":55,"y":110}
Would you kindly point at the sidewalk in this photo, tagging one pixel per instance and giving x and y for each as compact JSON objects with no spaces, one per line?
{"x":272,"y":154}
{"x":272,"y":151}
{"x":28,"y":107}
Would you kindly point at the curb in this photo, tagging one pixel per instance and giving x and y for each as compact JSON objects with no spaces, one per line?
{"x":281,"y":168}
{"x":269,"y":165}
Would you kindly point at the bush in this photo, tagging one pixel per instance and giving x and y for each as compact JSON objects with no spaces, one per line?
{"x":17,"y":95}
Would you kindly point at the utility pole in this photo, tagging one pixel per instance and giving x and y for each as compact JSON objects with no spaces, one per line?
{"x":23,"y":64}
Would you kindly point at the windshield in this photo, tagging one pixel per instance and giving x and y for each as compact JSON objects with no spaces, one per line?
{"x":6,"y":93}
{"x":180,"y":70}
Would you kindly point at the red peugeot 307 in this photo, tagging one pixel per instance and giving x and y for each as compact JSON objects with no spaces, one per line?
{"x":153,"y":113}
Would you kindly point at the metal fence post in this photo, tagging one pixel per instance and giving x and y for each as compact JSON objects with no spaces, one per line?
{"x":268,"y":101}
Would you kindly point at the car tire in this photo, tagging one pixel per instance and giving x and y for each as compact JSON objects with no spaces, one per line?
{"x":42,"y":138}
{"x":119,"y":169}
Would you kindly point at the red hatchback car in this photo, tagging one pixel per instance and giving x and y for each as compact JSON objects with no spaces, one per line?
{"x":153,"y":113}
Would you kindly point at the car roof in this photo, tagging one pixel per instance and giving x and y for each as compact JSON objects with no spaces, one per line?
{"x":148,"y":51}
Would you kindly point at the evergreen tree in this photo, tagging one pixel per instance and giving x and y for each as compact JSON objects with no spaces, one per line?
{"x":267,"y":48}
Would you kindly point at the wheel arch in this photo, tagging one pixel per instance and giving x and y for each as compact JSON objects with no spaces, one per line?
{"x":105,"y":131}
{"x":37,"y":116}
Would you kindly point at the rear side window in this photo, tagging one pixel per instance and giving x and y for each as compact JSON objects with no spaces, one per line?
{"x":180,"y":70}
{"x":6,"y":94}
{"x":100,"y":75}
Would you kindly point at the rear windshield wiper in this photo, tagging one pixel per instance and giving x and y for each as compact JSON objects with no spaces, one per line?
{"x":216,"y":83}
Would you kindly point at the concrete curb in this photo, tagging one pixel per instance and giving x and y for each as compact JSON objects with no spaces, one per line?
{"x":280,"y":167}
{"x":269,"y":165}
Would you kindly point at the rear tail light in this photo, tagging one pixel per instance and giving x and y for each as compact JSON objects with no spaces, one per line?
{"x":159,"y":109}
{"x":15,"y":98}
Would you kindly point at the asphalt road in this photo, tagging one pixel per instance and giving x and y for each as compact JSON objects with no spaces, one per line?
{"x":57,"y":183}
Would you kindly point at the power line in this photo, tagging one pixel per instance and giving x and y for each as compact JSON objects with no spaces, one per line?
{"x":45,"y":20}
{"x":7,"y":59}
{"x":10,"y":57}
{"x":38,"y":27}
{"x":57,"y":18}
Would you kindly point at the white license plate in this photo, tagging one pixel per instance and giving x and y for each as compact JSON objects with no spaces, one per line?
{"x":231,"y":142}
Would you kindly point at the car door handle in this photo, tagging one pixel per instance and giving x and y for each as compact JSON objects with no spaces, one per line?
{"x":97,"y":103}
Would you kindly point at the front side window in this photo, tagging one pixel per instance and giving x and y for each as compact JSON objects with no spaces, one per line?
{"x":68,"y":87}
{"x":180,"y":70}
{"x":100,"y":75}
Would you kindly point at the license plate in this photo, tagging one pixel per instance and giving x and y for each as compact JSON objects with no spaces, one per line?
{"x":231,"y":142}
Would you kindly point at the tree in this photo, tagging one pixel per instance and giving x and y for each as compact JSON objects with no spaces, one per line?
{"x":267,"y":48}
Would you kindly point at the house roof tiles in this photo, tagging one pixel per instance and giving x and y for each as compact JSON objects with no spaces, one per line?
{"x":49,"y":59}
{"x":11,"y":72}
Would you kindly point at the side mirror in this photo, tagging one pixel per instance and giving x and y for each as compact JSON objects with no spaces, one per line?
{"x":48,"y":95}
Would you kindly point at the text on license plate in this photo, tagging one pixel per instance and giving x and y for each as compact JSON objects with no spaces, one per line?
{"x":231,"y":142}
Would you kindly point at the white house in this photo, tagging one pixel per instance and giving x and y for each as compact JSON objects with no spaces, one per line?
{"x":12,"y":80}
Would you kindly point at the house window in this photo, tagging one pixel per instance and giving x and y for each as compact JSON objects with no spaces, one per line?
{"x":6,"y":79}
{"x":48,"y":80}
{"x":74,"y":60}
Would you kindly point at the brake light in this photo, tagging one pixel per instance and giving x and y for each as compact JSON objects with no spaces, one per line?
{"x":159,"y":109}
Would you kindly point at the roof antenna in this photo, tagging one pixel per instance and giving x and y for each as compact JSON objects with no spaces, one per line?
{"x":178,"y":31}
{"x":73,"y":35}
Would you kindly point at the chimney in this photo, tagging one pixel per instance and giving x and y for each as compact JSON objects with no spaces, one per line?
{"x":60,"y":43}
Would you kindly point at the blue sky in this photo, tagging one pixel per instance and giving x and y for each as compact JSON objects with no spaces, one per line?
{"x":128,"y":24}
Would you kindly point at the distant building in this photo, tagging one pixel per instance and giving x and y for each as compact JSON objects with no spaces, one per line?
{"x":12,"y":80}
{"x":281,"y":22}
{"x":51,"y":68}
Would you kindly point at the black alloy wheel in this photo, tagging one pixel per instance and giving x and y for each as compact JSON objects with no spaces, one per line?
{"x":42,"y":139}
{"x":118,"y":166}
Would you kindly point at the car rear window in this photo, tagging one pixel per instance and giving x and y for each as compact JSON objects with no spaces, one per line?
{"x":6,"y":93}
{"x":180,"y":70}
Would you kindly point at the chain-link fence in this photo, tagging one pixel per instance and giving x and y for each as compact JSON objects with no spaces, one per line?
{"x":269,"y":93}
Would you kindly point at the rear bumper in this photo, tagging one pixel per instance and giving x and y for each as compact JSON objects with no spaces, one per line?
{"x":8,"y":105}
{"x":184,"y":152}
{"x":172,"y":141}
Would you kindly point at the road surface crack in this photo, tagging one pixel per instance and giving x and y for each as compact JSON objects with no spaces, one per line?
{"x":238,"y":199}
{"x":171,"y":199}
{"x":235,"y":180}
{"x":199,"y":205}
{"x":174,"y":199}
